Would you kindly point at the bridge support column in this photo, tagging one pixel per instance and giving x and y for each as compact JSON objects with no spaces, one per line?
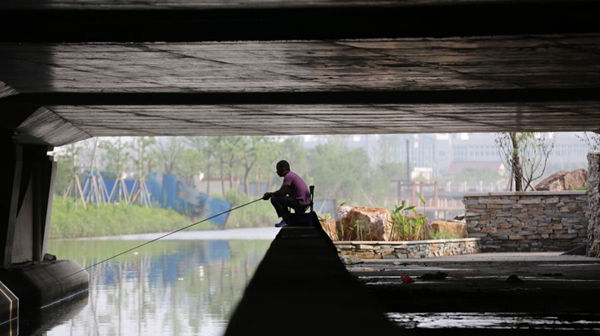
{"x":26,"y":202}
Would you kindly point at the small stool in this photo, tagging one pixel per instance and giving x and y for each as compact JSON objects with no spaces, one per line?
{"x":302,"y":218}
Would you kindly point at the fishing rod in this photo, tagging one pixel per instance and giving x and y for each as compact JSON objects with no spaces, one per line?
{"x":161,"y":237}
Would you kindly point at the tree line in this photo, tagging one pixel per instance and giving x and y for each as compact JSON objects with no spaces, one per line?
{"x":338,"y":172}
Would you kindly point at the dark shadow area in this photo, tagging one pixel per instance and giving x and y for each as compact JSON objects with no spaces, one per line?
{"x":38,"y":322}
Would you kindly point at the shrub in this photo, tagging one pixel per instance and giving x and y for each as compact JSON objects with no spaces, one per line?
{"x":405,"y":225}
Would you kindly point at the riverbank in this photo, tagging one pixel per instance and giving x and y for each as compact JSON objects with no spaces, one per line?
{"x":259,"y":233}
{"x":71,"y":220}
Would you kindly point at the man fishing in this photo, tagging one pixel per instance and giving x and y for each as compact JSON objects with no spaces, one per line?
{"x":294,"y":193}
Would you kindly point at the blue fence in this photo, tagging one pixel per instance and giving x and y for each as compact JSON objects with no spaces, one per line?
{"x":168,"y":192}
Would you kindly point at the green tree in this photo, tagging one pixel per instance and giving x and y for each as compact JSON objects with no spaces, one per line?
{"x":66,"y":160}
{"x":250,"y":148}
{"x":592,"y":140}
{"x":269,"y":154}
{"x":526,"y":153}
{"x":339,"y":172}
{"x":168,"y":150}
{"x":117,"y":157}
{"x":296,"y":155}
{"x":231,"y":150}
{"x":216,"y":146}
{"x":142,"y":157}
{"x":206,"y":155}
{"x":190,"y":161}
{"x":393,"y":170}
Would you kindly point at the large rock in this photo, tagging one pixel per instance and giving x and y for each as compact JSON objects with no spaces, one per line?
{"x":447,"y":228}
{"x":564,"y":180}
{"x":363,"y":223}
{"x":330,"y":227}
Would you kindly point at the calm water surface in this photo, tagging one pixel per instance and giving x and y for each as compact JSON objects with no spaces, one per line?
{"x":186,"y":285}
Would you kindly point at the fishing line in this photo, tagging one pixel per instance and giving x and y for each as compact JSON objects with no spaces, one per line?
{"x":161,"y":237}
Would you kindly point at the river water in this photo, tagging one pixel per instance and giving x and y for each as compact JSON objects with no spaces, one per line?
{"x":187,"y":284}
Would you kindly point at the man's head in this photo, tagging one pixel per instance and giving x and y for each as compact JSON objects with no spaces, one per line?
{"x":283,"y":167}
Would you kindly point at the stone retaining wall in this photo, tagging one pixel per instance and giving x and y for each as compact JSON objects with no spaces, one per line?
{"x":593,"y":183}
{"x":408,"y":249}
{"x":527,"y":221}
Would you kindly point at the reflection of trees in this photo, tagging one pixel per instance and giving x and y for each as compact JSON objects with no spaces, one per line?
{"x":170,"y":287}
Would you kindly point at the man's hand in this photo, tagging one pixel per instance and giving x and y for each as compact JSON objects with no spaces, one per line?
{"x":267,"y":195}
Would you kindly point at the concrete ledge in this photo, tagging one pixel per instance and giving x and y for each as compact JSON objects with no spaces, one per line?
{"x":405,"y":242}
{"x":408,"y":249}
{"x":42,"y":285}
{"x":302,"y":288}
{"x":527,"y":193}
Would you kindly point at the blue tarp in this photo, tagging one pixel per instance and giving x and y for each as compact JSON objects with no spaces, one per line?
{"x":168,"y":192}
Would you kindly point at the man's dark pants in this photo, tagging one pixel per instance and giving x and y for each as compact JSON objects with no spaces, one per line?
{"x":283,"y":203}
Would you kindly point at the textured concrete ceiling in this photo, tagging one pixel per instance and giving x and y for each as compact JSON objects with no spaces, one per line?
{"x":61,"y":92}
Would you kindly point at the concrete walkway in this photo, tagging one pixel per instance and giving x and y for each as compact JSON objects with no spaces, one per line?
{"x":548,"y":283}
{"x":301,"y":287}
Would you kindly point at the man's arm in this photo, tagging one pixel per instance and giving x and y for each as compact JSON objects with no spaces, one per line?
{"x":284,"y":190}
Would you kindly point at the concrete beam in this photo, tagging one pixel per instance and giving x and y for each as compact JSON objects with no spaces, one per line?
{"x":350,"y":97}
{"x":253,"y":20}
{"x":46,"y":127}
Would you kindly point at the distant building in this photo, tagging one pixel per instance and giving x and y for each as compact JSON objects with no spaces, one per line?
{"x":456,"y":168}
{"x":438,"y":152}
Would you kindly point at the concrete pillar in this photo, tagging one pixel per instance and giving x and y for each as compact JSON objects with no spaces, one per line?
{"x":26,"y":192}
{"x":27,"y":200}
{"x":593,"y":185}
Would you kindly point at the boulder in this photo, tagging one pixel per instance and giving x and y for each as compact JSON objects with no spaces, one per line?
{"x":564,"y":180}
{"x":454,"y":228}
{"x":576,"y":179}
{"x":329,"y":226}
{"x":363,"y":223}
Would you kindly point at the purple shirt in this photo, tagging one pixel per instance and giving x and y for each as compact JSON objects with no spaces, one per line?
{"x":299,"y":190}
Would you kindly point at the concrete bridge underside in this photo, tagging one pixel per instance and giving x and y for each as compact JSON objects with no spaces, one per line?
{"x":74,"y":69}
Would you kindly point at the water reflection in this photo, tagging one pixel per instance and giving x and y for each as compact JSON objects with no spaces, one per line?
{"x":36,"y":323}
{"x":487,"y":321}
{"x":166,"y":288}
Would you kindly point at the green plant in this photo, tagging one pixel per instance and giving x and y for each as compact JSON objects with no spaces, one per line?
{"x":325,"y":217}
{"x":404,"y":225}
{"x":443,"y":235}
{"x":357,"y":230}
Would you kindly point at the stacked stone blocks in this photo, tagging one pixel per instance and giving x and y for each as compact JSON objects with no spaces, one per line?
{"x":527,"y":221}
{"x":408,"y":249}
{"x":593,"y":184}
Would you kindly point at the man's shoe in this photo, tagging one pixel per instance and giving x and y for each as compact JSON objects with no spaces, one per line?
{"x":281,"y":224}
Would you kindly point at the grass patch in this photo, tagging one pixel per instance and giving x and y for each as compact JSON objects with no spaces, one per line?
{"x":443,"y":235}
{"x":259,"y":214}
{"x":70,"y":221}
